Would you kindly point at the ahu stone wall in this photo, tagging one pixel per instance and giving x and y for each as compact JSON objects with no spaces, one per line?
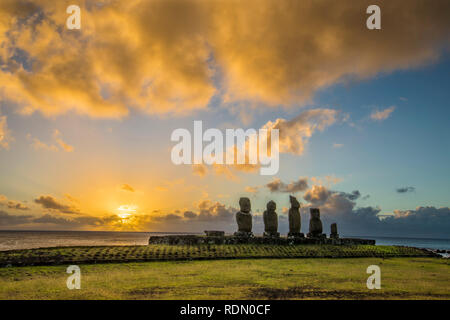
{"x":195,"y":240}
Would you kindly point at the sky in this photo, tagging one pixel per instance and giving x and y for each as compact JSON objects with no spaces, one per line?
{"x":86,"y":115}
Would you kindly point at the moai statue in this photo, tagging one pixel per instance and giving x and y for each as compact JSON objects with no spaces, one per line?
{"x":315,"y":225}
{"x":334,"y":234}
{"x":271,"y":220}
{"x":294,"y":219}
{"x":244,"y":219}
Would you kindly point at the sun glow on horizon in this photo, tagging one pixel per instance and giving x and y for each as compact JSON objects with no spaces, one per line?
{"x":125,"y":211}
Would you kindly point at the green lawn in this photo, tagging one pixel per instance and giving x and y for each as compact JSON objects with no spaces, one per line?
{"x":321,"y":278}
{"x":83,"y":255}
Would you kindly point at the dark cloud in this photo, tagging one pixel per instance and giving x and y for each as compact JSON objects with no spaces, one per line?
{"x":405,"y":189}
{"x":55,"y":221}
{"x":189,"y":214}
{"x":208,"y":215}
{"x":49,"y":219}
{"x":7,"y":219}
{"x":335,"y":206}
{"x":340,"y":207}
{"x":277,"y":185}
{"x":422,"y":220}
{"x":215,"y":211}
{"x":351,"y":196}
{"x":168,"y":217}
{"x":17,"y":205}
{"x":12,"y":204}
{"x":49,"y":202}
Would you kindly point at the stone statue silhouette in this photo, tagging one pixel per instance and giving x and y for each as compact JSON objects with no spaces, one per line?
{"x":244,"y":218}
{"x":334,"y":234}
{"x":294,"y":218}
{"x":315,"y":224}
{"x":271,"y":220}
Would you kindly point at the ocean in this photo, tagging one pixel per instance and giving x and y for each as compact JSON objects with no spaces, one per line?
{"x":434,"y":244}
{"x":11,"y":240}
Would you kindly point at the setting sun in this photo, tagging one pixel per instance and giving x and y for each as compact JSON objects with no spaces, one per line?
{"x":125,"y":211}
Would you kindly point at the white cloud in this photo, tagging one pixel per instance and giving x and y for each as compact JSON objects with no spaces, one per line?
{"x":295,"y":133}
{"x":383,"y":114}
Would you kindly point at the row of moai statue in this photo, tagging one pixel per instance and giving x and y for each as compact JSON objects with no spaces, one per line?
{"x":244,"y":221}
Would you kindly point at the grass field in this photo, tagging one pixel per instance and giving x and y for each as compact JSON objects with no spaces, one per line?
{"x":321,"y":278}
{"x":84,"y":255}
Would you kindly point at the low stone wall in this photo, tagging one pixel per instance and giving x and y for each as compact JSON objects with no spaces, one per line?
{"x":193,"y":240}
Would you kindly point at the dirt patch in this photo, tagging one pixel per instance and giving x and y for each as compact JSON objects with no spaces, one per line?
{"x":148,"y":292}
{"x":317,"y":293}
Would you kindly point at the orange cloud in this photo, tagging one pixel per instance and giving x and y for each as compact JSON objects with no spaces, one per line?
{"x":50,"y":203}
{"x":57,"y":136}
{"x":282,"y":52}
{"x":126,"y":54}
{"x":293,"y":136}
{"x":174,"y":56}
{"x":199,"y":170}
{"x":295,"y":133}
{"x":127,"y":187}
{"x":39,"y":145}
{"x":251,"y":189}
{"x":327,"y":180}
{"x":299,"y":185}
{"x":12,"y":204}
{"x":5,"y":134}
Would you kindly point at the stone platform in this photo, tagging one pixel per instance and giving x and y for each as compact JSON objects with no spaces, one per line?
{"x":229,"y":239}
